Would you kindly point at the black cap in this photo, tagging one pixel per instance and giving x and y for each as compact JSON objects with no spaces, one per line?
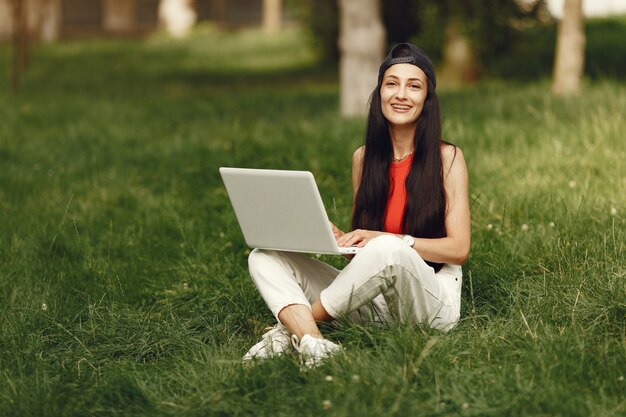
{"x":407,"y":53}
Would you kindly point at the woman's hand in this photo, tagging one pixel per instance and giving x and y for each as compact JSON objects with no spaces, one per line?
{"x":336,"y":231}
{"x":357,"y":238}
{"x":339,"y":234}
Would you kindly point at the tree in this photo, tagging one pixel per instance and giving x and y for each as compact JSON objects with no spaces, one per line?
{"x":272,"y":15}
{"x":461,"y":36}
{"x":569,"y":59}
{"x":177,"y":16}
{"x":19,"y":27}
{"x":31,"y":20}
{"x":218,"y":11}
{"x":49,"y":20}
{"x":119,"y":15}
{"x":465,"y":35}
{"x":459,"y":64}
{"x":361,"y":46}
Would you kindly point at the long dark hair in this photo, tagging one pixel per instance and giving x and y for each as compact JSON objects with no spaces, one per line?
{"x":424,"y":215}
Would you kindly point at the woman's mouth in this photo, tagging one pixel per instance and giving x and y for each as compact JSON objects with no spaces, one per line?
{"x":401,"y":107}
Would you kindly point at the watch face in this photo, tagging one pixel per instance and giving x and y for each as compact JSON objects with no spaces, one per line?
{"x":409,"y":240}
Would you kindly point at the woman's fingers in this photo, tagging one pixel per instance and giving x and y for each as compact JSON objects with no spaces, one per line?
{"x":341,"y":241}
{"x":356,"y":237}
{"x":336,"y":231}
{"x":362,"y":238}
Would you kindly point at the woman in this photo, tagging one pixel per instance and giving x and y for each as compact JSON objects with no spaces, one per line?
{"x":411,"y":218}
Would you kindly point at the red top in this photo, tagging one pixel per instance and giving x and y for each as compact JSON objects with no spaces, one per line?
{"x":396,"y":203}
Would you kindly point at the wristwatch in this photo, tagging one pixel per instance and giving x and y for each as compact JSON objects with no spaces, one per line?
{"x":408,"y":239}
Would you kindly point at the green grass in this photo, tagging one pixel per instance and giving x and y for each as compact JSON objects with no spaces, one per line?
{"x":123,"y":279}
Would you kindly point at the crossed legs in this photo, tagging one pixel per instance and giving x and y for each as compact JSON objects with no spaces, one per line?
{"x":386,"y":282}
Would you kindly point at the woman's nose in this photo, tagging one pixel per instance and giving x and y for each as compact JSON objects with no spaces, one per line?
{"x":401,"y":93}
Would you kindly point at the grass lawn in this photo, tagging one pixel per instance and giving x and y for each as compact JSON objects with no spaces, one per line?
{"x":123,"y":275}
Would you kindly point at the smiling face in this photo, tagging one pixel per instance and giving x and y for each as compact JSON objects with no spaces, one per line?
{"x":403,"y":93}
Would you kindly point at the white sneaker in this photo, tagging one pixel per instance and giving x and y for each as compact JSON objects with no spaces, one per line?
{"x":274,"y":342}
{"x":313,"y":351}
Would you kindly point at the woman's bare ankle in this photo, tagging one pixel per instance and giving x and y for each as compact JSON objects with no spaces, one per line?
{"x":320,"y":313}
{"x":299,"y":320}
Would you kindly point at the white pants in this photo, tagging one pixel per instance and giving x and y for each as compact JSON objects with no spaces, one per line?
{"x":385,"y":282}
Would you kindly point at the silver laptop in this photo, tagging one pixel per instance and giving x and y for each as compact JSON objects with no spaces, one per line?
{"x":281,"y":210}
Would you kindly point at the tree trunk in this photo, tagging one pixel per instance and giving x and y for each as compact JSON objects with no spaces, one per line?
{"x":218,"y":11}
{"x":50,"y":20}
{"x":272,"y":15}
{"x":6,"y":19}
{"x":177,"y":17}
{"x":361,"y":46}
{"x":119,"y":15}
{"x":569,"y":60}
{"x":459,"y":63}
{"x":20,"y":42}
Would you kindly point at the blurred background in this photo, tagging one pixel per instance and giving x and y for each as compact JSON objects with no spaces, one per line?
{"x":469,"y":40}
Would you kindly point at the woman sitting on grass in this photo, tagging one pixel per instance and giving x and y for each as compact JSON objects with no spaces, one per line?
{"x":411,"y":217}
